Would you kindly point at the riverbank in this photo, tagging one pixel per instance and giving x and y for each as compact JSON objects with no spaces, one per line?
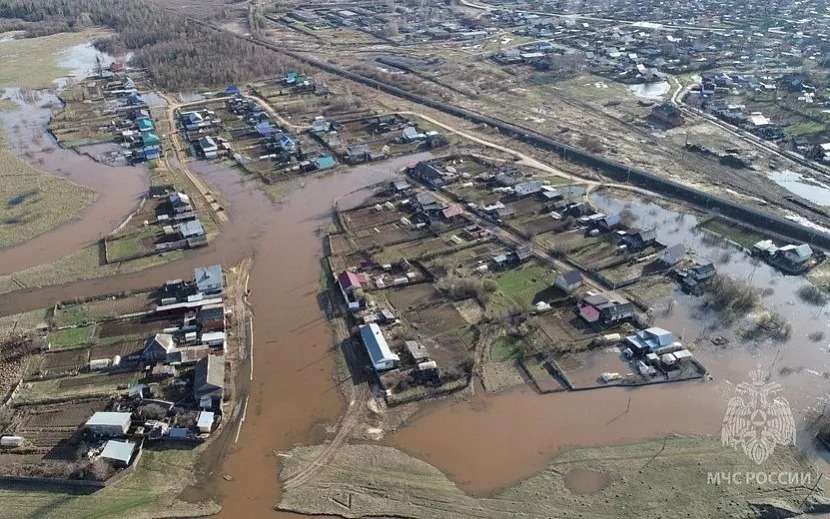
{"x":665,"y":478}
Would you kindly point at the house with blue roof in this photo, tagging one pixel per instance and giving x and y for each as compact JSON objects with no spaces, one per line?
{"x":383,"y":358}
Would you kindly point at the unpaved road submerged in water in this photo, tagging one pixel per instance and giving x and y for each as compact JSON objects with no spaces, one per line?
{"x":119,"y":188}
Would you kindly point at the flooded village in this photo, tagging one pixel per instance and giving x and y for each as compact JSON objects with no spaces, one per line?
{"x":296,"y":296}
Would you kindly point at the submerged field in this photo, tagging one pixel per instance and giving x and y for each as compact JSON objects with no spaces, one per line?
{"x":652,"y":479}
{"x":33,"y":202}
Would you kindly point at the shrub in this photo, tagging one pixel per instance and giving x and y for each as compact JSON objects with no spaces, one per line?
{"x":813,"y":295}
{"x":730,"y":297}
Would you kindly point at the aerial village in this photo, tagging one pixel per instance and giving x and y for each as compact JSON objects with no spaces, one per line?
{"x":465,"y":262}
{"x":102,"y":378}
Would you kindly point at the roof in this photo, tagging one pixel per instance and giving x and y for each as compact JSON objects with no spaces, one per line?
{"x":178,"y":199}
{"x":571,"y":277}
{"x":349,"y":279}
{"x":208,"y":278}
{"x":265,"y":129}
{"x":207,"y":143}
{"x":104,"y":418}
{"x":144,"y":124}
{"x":191,"y":228}
{"x":453,"y":210}
{"x":426,"y":198}
{"x":673,"y":254}
{"x":376,"y":344}
{"x":118,"y":451}
{"x":209,"y":374}
{"x":213,"y":336}
{"x":163,"y":341}
{"x":325,"y":162}
{"x":416,"y":349}
{"x":801,"y":252}
{"x":205,"y":419}
{"x":528,"y":188}
{"x":150,"y":138}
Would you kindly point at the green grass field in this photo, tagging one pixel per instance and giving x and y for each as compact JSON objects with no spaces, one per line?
{"x":504,"y":349}
{"x":743,"y":236}
{"x":518,"y":287}
{"x":33,"y":202}
{"x":70,"y":337}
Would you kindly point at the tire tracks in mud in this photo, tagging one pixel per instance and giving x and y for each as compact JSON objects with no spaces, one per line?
{"x":359,"y":396}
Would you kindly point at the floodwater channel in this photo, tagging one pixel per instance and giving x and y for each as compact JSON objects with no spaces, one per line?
{"x":119,"y":188}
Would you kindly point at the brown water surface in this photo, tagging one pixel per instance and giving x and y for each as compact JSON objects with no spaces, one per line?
{"x":119,"y":188}
{"x":586,"y":481}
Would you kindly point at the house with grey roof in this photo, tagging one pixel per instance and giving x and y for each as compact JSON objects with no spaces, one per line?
{"x":209,"y":380}
{"x":158,"y":347}
{"x":209,"y":280}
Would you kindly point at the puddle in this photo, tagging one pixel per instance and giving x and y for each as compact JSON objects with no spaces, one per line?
{"x":654,"y":91}
{"x":586,"y":481}
{"x":808,"y":189}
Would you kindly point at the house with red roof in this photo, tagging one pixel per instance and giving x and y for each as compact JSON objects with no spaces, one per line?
{"x":349,"y":283}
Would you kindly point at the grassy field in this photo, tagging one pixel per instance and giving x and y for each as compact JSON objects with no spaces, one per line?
{"x":34,"y":62}
{"x":21,"y":322}
{"x":33,"y":202}
{"x":518,"y":287}
{"x":652,"y":479}
{"x":149,"y":492}
{"x":743,"y":236}
{"x":70,"y":337}
{"x":504,"y":349}
{"x":74,"y":387}
{"x":83,"y":264}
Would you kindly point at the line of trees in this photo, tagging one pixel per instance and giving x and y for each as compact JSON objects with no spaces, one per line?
{"x":177,"y":53}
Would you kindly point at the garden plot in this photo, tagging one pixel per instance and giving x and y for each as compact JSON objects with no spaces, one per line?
{"x":92,"y":311}
{"x":564,"y":327}
{"x":413,"y":296}
{"x":64,"y":361}
{"x":474,"y":192}
{"x":370,"y":217}
{"x":124,"y":349}
{"x":69,"y":388}
{"x":464,"y":262}
{"x":436,"y":319}
{"x":416,"y":249}
{"x":339,"y":244}
{"x":132,"y":327}
{"x":524,"y":207}
{"x":538,"y":225}
{"x":389,"y":234}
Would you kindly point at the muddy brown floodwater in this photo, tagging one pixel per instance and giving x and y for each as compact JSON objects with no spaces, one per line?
{"x":493,"y":441}
{"x":119,"y":188}
{"x":293,"y":387}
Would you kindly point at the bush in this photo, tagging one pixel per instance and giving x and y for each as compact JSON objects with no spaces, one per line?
{"x":731,"y":298}
{"x":812,"y":295}
{"x":463,"y":288}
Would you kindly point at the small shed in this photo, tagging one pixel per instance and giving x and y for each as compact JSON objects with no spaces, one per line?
{"x":118,"y":452}
{"x":205,"y":421}
{"x":106,"y":423}
{"x":417,"y":350}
